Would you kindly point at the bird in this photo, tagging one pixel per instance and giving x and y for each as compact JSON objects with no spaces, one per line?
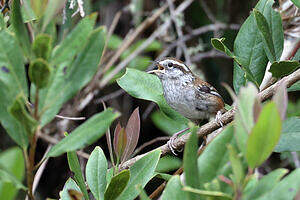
{"x":186,"y":93}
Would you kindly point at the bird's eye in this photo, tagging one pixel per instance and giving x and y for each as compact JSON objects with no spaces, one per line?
{"x":170,"y":64}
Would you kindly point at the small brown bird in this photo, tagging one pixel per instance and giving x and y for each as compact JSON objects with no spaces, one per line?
{"x":186,"y":93}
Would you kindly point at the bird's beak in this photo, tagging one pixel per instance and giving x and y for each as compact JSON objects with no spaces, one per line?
{"x":160,"y":69}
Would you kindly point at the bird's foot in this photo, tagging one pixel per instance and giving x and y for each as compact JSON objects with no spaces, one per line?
{"x":171,"y":142}
{"x":218,"y":118}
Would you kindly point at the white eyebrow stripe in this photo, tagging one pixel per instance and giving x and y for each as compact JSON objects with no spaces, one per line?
{"x":215,"y":93}
{"x":174,"y":62}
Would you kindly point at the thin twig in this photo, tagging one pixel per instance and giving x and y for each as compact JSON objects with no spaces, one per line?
{"x":133,"y":36}
{"x":208,"y":54}
{"x":148,"y":110}
{"x":145,"y":44}
{"x":41,"y":169}
{"x":70,"y":118}
{"x":158,"y":139}
{"x":110,"y":96}
{"x":179,"y":33}
{"x":208,"y":12}
{"x":225,"y":118}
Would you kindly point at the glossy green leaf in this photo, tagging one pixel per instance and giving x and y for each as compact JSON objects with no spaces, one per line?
{"x":236,"y":164}
{"x":264,"y":135}
{"x":39,"y":72}
{"x":166,"y":124}
{"x":219,"y":45}
{"x":12,"y":160}
{"x":70,"y":79}
{"x":173,"y":190}
{"x":7,"y":177}
{"x":146,"y":86}
{"x":85,"y":134}
{"x":290,"y":137}
{"x":294,"y":87}
{"x":19,"y":28}
{"x":42,"y":46}
{"x":12,"y":83}
{"x":286,"y":189}
{"x":297,"y":3}
{"x":265,"y":184}
{"x":140,"y":174}
{"x":168,"y":163}
{"x":190,"y":162}
{"x":117,"y":185}
{"x":214,"y":194}
{"x":69,"y":185}
{"x":244,"y":118}
{"x":76,"y":169}
{"x":283,"y":68}
{"x":96,"y":173}
{"x":249,"y":47}
{"x":213,"y":160}
{"x":265,"y":32}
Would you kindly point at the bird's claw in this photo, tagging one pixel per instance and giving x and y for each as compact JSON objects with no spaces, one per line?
{"x":171,"y":142}
{"x":218,"y":118}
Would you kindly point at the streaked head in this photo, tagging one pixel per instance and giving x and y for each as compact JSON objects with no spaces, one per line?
{"x":170,"y":68}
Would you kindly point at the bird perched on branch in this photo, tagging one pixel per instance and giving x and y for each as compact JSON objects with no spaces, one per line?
{"x":186,"y":93}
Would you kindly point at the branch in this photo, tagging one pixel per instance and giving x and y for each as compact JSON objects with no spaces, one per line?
{"x":145,"y":44}
{"x":225,"y":118}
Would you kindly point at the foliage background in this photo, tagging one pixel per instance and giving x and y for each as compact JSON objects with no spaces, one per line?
{"x":209,"y":64}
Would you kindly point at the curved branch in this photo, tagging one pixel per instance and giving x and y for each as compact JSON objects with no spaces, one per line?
{"x":226,"y":119}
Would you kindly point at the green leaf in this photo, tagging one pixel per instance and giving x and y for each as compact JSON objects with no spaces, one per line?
{"x":69,"y":185}
{"x":244,"y":119}
{"x":219,"y":45}
{"x":7,"y":177}
{"x":297,"y":3}
{"x":190,"y":162}
{"x":117,"y":185}
{"x":173,"y":190}
{"x":236,"y":164}
{"x":39,"y":72}
{"x":166,"y":124}
{"x":12,"y":83}
{"x":96,"y":173}
{"x":52,"y":9}
{"x":143,"y":195}
{"x":42,"y":46}
{"x":70,"y":79}
{"x":264,"y":136}
{"x":265,"y":184}
{"x":27,"y":12}
{"x":19,"y":28}
{"x":19,"y":112}
{"x":265,"y":32}
{"x":140,"y":173}
{"x":213,"y":160}
{"x":294,"y":87}
{"x":85,"y":134}
{"x":249,"y":47}
{"x":73,"y":43}
{"x":168,"y":163}
{"x":146,"y":86}
{"x":2,"y":22}
{"x":215,"y":194}
{"x":290,"y":137}
{"x":285,"y":189}
{"x":76,"y":169}
{"x":12,"y":160}
{"x":283,"y":68}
